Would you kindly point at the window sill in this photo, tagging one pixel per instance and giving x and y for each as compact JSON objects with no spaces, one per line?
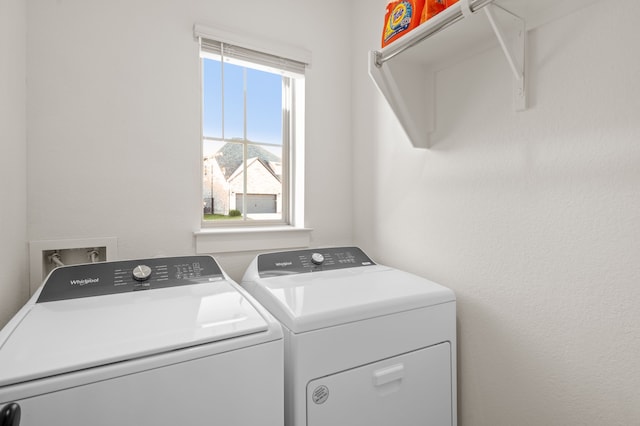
{"x":228,"y":240}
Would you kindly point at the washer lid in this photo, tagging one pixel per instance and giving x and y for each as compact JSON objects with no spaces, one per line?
{"x":51,"y":338}
{"x":309,"y":301}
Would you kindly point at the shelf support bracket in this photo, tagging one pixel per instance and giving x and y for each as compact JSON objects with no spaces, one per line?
{"x":465,"y":7}
{"x":405,"y":99}
{"x":515,"y":54}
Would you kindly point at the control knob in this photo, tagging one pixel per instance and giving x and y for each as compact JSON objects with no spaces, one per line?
{"x":141,"y":273}
{"x":317,"y":258}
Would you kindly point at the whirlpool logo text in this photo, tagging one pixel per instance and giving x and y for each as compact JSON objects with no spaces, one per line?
{"x":85,"y":281}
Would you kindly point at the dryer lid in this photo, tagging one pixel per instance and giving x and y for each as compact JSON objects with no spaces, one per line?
{"x":310,"y":301}
{"x":51,"y":338}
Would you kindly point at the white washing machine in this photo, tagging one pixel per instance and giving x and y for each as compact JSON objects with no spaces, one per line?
{"x":365,"y":344}
{"x":164,"y":341}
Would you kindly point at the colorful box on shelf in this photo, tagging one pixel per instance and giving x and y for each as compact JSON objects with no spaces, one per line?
{"x":402,"y":16}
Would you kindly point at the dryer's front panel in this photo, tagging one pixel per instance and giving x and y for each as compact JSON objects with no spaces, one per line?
{"x":412,"y":389}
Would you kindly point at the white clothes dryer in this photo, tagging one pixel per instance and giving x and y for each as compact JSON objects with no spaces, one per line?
{"x":365,"y":344}
{"x":154,"y":342}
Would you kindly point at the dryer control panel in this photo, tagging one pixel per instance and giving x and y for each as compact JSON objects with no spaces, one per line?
{"x":311,"y":260}
{"x":99,"y":279}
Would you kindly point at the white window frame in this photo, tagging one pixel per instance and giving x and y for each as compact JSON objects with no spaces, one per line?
{"x":233,"y":236}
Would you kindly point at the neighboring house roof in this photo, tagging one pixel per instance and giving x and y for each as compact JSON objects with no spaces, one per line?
{"x":229,"y":159}
{"x":272,"y":167}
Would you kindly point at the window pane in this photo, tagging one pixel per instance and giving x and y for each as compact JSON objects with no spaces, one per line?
{"x":221,"y":162}
{"x":212,"y":99}
{"x":264,"y":107}
{"x":263,"y":199}
{"x":233,"y":101}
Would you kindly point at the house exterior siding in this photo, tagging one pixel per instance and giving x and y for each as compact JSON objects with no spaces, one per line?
{"x":260,"y":180}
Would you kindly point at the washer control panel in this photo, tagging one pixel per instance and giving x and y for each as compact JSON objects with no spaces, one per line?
{"x":312,"y":260}
{"x":99,"y":279}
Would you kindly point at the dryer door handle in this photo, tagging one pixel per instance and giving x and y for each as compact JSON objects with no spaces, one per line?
{"x":10,"y":415}
{"x":388,"y":374}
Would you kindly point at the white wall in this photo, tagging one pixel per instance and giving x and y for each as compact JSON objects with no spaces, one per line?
{"x":532,"y":218}
{"x":113,"y":118}
{"x":13,"y":159}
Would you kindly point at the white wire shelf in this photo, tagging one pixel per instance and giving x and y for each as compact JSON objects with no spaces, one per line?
{"x":403,"y":70}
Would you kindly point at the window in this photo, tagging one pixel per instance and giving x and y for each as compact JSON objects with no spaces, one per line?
{"x":251,"y":124}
